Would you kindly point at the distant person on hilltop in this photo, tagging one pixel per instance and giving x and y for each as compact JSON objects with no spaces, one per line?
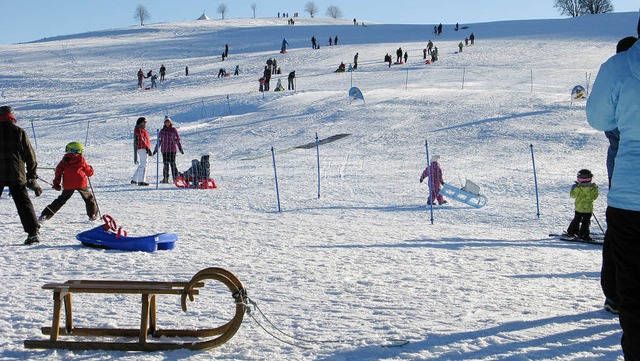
{"x":440,"y":29}
{"x":330,"y":41}
{"x":313,"y":42}
{"x":399,"y":54}
{"x":335,"y":41}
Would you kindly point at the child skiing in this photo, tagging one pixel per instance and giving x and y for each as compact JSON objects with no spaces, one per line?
{"x":73,"y":172}
{"x":585,"y":192}
{"x":434,"y":173}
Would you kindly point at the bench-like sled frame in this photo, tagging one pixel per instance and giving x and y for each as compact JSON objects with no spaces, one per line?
{"x":148,"y":290}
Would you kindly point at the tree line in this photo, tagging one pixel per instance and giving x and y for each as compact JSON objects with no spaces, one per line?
{"x":575,"y":8}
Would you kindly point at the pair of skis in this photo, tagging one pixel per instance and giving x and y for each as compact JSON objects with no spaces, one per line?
{"x":596,"y":238}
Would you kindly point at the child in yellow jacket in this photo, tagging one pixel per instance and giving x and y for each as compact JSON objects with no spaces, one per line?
{"x":585,"y":192}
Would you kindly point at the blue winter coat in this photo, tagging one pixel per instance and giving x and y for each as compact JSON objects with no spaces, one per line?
{"x":615,"y":102}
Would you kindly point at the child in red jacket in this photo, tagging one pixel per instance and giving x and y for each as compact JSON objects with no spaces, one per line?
{"x":72,"y":171}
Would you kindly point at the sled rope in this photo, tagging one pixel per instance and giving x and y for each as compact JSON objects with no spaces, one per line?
{"x":249,"y":302}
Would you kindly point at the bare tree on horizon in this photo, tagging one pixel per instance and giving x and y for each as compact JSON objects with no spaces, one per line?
{"x":222,"y":9}
{"x":254,"y":7}
{"x":311,"y":8}
{"x":141,"y":14}
{"x":575,"y":8}
{"x":334,"y":12}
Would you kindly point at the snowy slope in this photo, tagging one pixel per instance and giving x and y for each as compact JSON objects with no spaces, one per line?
{"x":363,"y":264}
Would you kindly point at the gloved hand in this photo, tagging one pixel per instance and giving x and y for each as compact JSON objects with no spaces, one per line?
{"x":181,"y":151}
{"x":149,"y":151}
{"x":154,"y":152}
{"x":57,"y":187}
{"x":442,"y":183}
{"x":33,"y":185}
{"x":421,"y":179}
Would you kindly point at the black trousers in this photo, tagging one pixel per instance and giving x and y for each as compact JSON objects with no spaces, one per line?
{"x":169,"y":160}
{"x":290,"y":84}
{"x":580,"y":224}
{"x":608,"y":271}
{"x":27,"y":214}
{"x":89,"y":201}
{"x":624,"y":236}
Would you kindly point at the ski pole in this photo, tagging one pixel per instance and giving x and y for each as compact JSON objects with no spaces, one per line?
{"x":594,"y":217}
{"x":94,"y":197}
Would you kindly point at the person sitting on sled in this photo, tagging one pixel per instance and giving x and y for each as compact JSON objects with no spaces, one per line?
{"x":341,"y":68}
{"x":434,"y":173}
{"x":73,"y":172}
{"x":585,"y":192}
{"x":199,"y":171}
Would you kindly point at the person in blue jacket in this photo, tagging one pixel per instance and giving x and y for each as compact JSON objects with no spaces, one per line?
{"x":614,"y":103}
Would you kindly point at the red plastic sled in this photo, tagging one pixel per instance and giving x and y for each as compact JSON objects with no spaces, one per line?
{"x":208,"y":183}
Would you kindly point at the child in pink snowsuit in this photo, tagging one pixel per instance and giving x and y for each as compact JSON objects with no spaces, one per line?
{"x":434,"y":173}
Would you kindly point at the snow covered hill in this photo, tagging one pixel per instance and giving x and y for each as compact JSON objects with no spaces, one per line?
{"x":362,"y":264}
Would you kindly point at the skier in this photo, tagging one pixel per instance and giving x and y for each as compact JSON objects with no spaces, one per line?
{"x":72,"y":171}
{"x":290,"y":78}
{"x":585,"y":192}
{"x":140,"y":77}
{"x":434,"y":173}
{"x":18,"y":171}
{"x":399,"y":53}
{"x":355,"y":61}
{"x":163,"y":72}
{"x":142,"y":150}
{"x":168,"y":143}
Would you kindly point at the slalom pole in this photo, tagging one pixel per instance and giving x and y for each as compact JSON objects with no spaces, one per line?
{"x":35,"y":139}
{"x":86,"y":137}
{"x":94,"y":197}
{"x":426,"y":146}
{"x":594,"y":217}
{"x":535,"y":181}
{"x":275,"y":175}
{"x":318,"y":157}
{"x":464,"y":70}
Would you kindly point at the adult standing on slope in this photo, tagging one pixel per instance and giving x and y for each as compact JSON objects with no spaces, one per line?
{"x":169,"y":144}
{"x":18,"y":168}
{"x":141,"y":152}
{"x":613,"y":103}
{"x":163,"y":72}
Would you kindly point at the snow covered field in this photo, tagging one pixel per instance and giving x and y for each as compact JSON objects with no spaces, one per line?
{"x":362,"y":264}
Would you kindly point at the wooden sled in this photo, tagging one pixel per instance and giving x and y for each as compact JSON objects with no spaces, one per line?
{"x":148,"y":323}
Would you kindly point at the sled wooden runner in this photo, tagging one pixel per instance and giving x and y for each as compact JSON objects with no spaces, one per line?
{"x":149,"y":290}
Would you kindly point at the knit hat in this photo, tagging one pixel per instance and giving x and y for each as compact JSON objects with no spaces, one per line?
{"x":141,"y":120}
{"x":6,"y":114}
{"x":435,"y":158}
{"x":166,"y":118}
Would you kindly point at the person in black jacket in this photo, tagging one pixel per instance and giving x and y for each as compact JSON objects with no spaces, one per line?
{"x":290,"y":78}
{"x":18,"y":171}
{"x":267,"y":78}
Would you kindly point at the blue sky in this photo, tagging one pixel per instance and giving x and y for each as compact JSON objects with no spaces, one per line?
{"x":27,"y":20}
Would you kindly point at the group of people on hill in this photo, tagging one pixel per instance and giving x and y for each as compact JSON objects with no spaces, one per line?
{"x":152,"y":76}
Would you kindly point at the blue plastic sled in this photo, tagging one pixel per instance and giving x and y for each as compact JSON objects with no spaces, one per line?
{"x":106,"y":236}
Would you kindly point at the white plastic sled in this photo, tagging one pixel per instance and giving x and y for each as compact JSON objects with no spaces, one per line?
{"x":469,"y":194}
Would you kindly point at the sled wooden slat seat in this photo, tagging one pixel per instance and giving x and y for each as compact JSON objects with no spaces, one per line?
{"x":149,"y":290}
